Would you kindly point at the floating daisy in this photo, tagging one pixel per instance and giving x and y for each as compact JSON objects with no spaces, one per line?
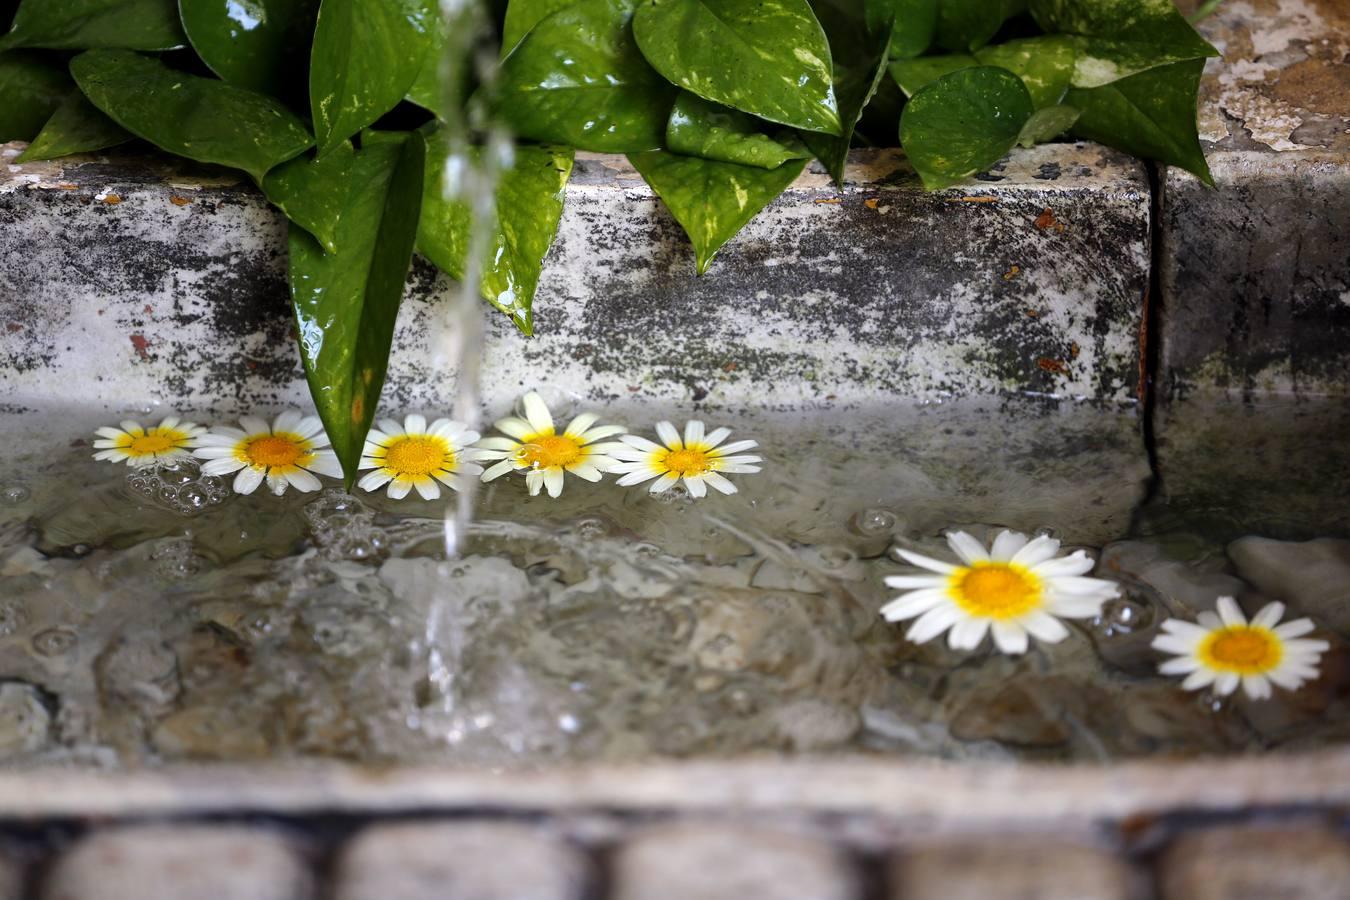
{"x":288,"y":452}
{"x":1014,"y":589}
{"x":1226,"y":650}
{"x":536,"y":447}
{"x":140,"y":446}
{"x":698,"y":459}
{"x":415,"y":455}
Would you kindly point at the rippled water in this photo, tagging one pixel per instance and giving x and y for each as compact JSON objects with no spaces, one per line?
{"x":152,"y":616}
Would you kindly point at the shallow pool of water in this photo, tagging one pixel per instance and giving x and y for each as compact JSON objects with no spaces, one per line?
{"x":152,"y":616}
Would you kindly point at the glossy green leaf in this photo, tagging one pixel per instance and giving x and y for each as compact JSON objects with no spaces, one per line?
{"x":913,"y":74}
{"x":529,"y":206}
{"x":966,"y":25}
{"x":861,"y":53}
{"x":1045,"y":65}
{"x":1149,"y":115}
{"x":199,"y":118}
{"x":1046,"y":124}
{"x":346,"y":303}
{"x":254,"y":44}
{"x":915,"y":24}
{"x":77,"y":126}
{"x":366,"y":55}
{"x":700,"y":128}
{"x":1121,"y":37}
{"x":765,"y":57}
{"x":522,"y":15}
{"x":32,"y":87}
{"x":963,"y":123}
{"x":312,"y":192}
{"x":712,"y":200}
{"x":85,"y":24}
{"x":426,"y":90}
{"x":579,"y":79}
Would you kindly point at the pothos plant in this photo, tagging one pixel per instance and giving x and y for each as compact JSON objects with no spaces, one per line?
{"x":331,"y":108}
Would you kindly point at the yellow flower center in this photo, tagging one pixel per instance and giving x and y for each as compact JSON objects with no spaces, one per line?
{"x":545,"y":451}
{"x":418,"y":456}
{"x":273,"y":450}
{"x":1242,"y":649}
{"x":995,"y":590}
{"x":687,"y":462}
{"x":151,"y":442}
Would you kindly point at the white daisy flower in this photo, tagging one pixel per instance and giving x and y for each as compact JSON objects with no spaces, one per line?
{"x":698,"y":459}
{"x":1226,"y":650}
{"x":536,"y":447}
{"x":415,"y":455}
{"x":1014,"y":589}
{"x":139,"y":446}
{"x":288,"y":452}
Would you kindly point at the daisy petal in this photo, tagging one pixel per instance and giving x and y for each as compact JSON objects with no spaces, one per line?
{"x":1010,"y":637}
{"x":1038,"y":550}
{"x":668,"y":435}
{"x":1006,"y":544}
{"x":303,"y":481}
{"x":536,"y":412}
{"x":932,"y":623}
{"x":967,"y":548}
{"x":719,"y":483}
{"x":693,"y":432}
{"x":915,"y":603}
{"x":968,"y":633}
{"x":1269,"y":615}
{"x":1230,"y":614}
{"x":925,"y":562}
{"x":248,"y":479}
{"x":697,"y":489}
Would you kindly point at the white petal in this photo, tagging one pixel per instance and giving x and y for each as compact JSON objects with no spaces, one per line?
{"x":517,"y":428}
{"x":449,"y":480}
{"x":415,"y":423}
{"x":600,"y":432}
{"x":553,"y":482}
{"x":664,"y":482}
{"x":925,"y":562}
{"x":1044,"y":626}
{"x":223,"y":467}
{"x":1010,"y":637}
{"x":580,"y":424}
{"x":1256,"y":686}
{"x":536,"y":412}
{"x":586,"y":471}
{"x":966,"y":547}
{"x":428,"y":488}
{"x":1226,"y":683}
{"x":498,"y":470}
{"x":914,"y":581}
{"x":1076,"y":563}
{"x":716,"y":436}
{"x":1294,"y":628}
{"x":1198,"y":679}
{"x":1006,"y":545}
{"x":1287,"y":680}
{"x":735,"y":447}
{"x":254,"y":425}
{"x":1230,"y":614}
{"x":719,"y":483}
{"x":276,"y":482}
{"x":1174,"y":643}
{"x":498,"y":444}
{"x":637,"y":477}
{"x":1182,"y":665}
{"x":132,"y":427}
{"x":1081,"y":585}
{"x":325,"y":462}
{"x":213,"y":452}
{"x":640,"y":443}
{"x":373,"y":481}
{"x":534,"y":481}
{"x":303,"y":481}
{"x":1038,"y":550}
{"x":967,"y":634}
{"x":399,"y":488}
{"x":247,"y":481}
{"x":287,"y":421}
{"x":693,"y":432}
{"x":1269,"y":615}
{"x":391,"y":427}
{"x":111,"y":434}
{"x":916,"y":603}
{"x":697,"y":489}
{"x":739,"y":469}
{"x":934,"y":622}
{"x":668,"y":435}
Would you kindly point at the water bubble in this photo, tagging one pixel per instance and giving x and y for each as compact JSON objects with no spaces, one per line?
{"x":1212,"y":702}
{"x":344,"y":528}
{"x":1123,"y":615}
{"x":561,"y":404}
{"x":676,"y":493}
{"x":175,"y":559}
{"x":647,"y":550}
{"x":835,"y":557}
{"x":54,"y":642}
{"x":79,"y":550}
{"x":14,"y":494}
{"x":178,"y":485}
{"x":13,"y":616}
{"x":1045,"y":531}
{"x":874,"y":521}
{"x":590,"y":529}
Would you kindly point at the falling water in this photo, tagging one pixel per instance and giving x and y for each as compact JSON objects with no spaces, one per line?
{"x":478,"y":150}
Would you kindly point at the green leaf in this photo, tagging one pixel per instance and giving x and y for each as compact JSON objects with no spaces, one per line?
{"x":967,"y":25}
{"x":765,"y":57}
{"x":522,"y":15}
{"x":76,"y":127}
{"x":963,"y":123}
{"x":251,"y":43}
{"x":199,"y":118}
{"x":1149,"y":115}
{"x":913,"y":74}
{"x":346,"y":303}
{"x":700,"y":128}
{"x":426,"y":90}
{"x":579,"y":79}
{"x":861,"y":53}
{"x":529,"y":206}
{"x":366,"y":55}
{"x":712,"y":200}
{"x":1046,"y":124}
{"x":32,"y":88}
{"x":85,"y":24}
{"x":312,"y":192}
{"x":1121,"y":37}
{"x":1045,"y":65}
{"x":915,"y":24}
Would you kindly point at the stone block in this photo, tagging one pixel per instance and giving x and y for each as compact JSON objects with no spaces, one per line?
{"x":185,"y":862}
{"x":982,"y":341}
{"x":720,"y":861}
{"x":463,"y":861}
{"x":1011,"y":868}
{"x":1255,"y":863}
